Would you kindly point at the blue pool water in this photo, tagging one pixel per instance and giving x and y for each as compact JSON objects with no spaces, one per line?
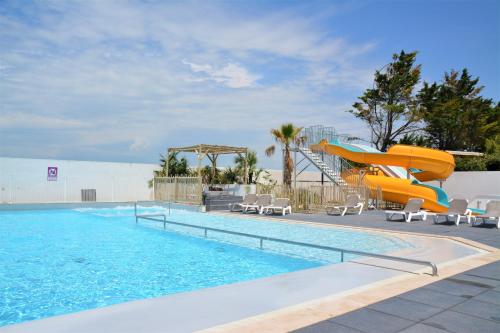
{"x":59,"y":261}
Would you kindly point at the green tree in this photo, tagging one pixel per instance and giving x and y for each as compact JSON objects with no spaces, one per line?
{"x":492,"y":157}
{"x":456,"y":117}
{"x":229,"y":176}
{"x":389,"y":108}
{"x":209,"y":175}
{"x":251,"y":163}
{"x":176,"y":167}
{"x":285,"y":136}
{"x":413,"y":139}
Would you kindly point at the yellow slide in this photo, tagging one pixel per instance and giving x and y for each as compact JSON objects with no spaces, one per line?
{"x":397,"y":186}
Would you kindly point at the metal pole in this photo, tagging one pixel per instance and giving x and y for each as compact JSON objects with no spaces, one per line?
{"x":245,"y":178}
{"x":295,"y":169}
{"x":166,"y":162}
{"x":200,"y":157}
{"x":322,"y":175}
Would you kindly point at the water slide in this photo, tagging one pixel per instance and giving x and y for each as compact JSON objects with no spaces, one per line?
{"x":392,"y":177}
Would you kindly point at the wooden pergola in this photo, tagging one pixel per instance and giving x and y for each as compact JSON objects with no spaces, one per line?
{"x":212,"y":152}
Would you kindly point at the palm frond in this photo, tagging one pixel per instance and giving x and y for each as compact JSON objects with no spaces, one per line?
{"x":278,"y":135}
{"x":296,"y":131}
{"x":270,"y":150}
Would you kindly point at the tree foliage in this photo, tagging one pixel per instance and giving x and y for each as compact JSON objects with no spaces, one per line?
{"x":389,"y":108}
{"x":414,"y":139}
{"x":176,"y":167}
{"x":251,"y":162}
{"x":455,"y":116}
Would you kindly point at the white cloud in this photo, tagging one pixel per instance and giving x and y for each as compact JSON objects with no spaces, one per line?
{"x":232,"y":75}
{"x":34,"y":121}
{"x":126,"y":74}
{"x":139,"y":144}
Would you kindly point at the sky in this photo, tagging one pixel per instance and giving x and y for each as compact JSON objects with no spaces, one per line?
{"x":123,"y":80}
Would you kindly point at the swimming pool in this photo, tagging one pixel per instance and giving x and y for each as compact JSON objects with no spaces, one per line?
{"x":67,"y":260}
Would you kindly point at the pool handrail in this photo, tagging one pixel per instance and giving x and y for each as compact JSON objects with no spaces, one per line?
{"x":278,"y":240}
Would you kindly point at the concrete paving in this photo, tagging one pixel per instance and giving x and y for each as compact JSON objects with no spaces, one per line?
{"x":466,"y":302}
{"x":459,"y":304}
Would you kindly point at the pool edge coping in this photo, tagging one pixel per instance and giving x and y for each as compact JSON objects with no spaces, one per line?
{"x":308,"y":313}
{"x":314,"y":311}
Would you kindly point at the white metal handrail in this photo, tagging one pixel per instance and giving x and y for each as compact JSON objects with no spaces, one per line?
{"x":278,"y":240}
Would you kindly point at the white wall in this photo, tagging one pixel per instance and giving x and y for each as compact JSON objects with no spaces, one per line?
{"x":467,"y":185}
{"x":306,"y":176}
{"x":25,"y":180}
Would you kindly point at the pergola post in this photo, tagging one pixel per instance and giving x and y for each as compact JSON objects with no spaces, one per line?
{"x":245,"y":177}
{"x":166,"y":161}
{"x":200,"y":185}
{"x":213,"y":159}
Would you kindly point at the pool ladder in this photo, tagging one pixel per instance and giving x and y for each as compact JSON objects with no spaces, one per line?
{"x":261,"y":239}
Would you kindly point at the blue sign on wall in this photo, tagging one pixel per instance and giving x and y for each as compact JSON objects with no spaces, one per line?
{"x":52,"y":173}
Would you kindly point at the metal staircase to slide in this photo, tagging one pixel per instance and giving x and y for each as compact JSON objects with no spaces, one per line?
{"x":331,"y":166}
{"x":331,"y":170}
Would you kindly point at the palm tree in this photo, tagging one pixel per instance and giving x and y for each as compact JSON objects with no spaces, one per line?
{"x":285,"y":136}
{"x":176,"y":167}
{"x":251,"y":166}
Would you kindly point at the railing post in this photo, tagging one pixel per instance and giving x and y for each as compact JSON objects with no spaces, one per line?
{"x":176,"y":189}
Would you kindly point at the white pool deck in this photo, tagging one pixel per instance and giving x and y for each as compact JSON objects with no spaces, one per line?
{"x":206,"y":308}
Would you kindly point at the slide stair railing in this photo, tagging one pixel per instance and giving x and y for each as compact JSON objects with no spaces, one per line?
{"x":335,"y":168}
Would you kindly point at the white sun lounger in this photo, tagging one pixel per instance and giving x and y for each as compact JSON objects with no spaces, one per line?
{"x":492,"y":214}
{"x":280,"y":204}
{"x":412,"y":209}
{"x":353,"y":202}
{"x":457,"y":210}
{"x":262,"y":201}
{"x":249,"y":199}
